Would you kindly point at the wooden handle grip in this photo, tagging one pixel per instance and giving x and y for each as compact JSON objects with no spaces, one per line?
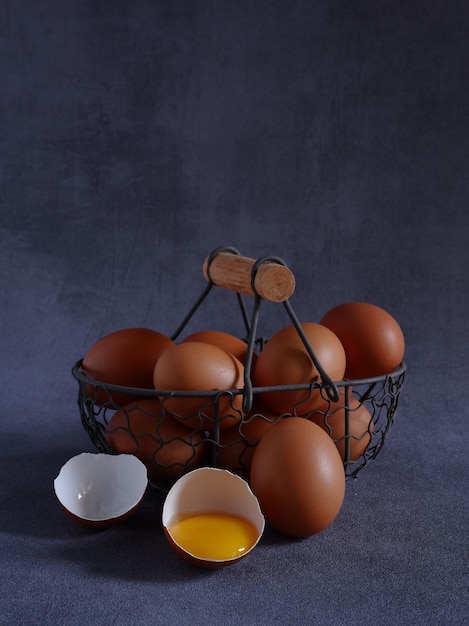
{"x":273,"y":282}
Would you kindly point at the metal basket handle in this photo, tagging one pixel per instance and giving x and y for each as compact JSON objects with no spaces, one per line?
{"x":267,"y":278}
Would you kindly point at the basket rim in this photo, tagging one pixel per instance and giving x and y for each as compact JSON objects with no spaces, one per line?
{"x":79,"y":374}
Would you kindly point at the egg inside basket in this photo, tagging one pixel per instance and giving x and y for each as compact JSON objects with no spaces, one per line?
{"x":176,"y":429}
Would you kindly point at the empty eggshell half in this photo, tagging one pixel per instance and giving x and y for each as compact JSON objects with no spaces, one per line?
{"x":214,"y":491}
{"x":100,"y":490}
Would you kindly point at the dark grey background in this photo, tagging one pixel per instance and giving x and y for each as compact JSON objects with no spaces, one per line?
{"x":138,"y":136}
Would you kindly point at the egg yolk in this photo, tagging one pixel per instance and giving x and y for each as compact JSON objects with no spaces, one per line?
{"x":217,"y":536}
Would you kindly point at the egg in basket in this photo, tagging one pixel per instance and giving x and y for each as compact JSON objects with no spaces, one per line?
{"x":209,"y":398}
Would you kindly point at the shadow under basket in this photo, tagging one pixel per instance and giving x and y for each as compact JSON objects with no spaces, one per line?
{"x":204,"y":441}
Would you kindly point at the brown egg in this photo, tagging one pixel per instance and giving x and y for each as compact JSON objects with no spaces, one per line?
{"x":237,"y":444}
{"x":197,"y":367}
{"x":333,"y":421}
{"x":162,"y":443}
{"x":298,"y":477}
{"x":125,"y":357}
{"x":230,"y":343}
{"x":285,"y":361}
{"x":372,"y":338}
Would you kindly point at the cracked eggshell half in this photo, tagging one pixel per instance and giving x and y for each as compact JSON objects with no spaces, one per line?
{"x":99,"y":490}
{"x":213,"y":490}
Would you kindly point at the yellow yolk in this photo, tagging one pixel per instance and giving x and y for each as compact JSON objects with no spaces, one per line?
{"x":217,"y":536}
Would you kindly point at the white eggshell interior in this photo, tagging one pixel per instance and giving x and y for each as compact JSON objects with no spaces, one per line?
{"x":99,"y":487}
{"x":215,"y":490}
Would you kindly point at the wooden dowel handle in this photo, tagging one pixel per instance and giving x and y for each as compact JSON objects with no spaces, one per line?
{"x":273,"y":282}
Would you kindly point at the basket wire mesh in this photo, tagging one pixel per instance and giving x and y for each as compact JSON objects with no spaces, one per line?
{"x":202,"y":443}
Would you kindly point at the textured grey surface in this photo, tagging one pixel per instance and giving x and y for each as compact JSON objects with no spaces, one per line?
{"x":135,"y":138}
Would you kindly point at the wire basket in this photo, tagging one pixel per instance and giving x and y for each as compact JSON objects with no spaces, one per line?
{"x":203,"y":440}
